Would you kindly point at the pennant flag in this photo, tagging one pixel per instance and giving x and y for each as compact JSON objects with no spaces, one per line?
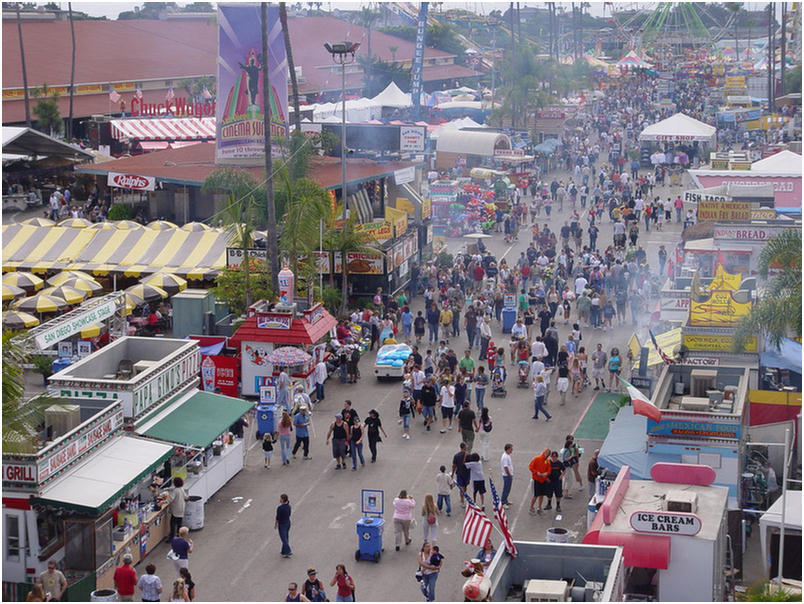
{"x":502,"y":521}
{"x":679,"y":257}
{"x":206,"y":93}
{"x":670,"y":269}
{"x":476,"y":525}
{"x":169,"y":96}
{"x":113,"y":96}
{"x":721,"y":259}
{"x":641,"y":403}
{"x":138,"y":93}
{"x":661,"y":352}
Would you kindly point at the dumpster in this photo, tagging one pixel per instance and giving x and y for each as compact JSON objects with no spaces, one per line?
{"x":508,"y":319}
{"x":369,"y":539}
{"x":265,"y":419}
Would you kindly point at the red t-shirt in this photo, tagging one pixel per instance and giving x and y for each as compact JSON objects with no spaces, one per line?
{"x":343,"y":585}
{"x":125,"y":578}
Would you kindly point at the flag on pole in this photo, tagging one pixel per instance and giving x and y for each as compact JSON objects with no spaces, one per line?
{"x":138,"y":93}
{"x":113,"y":96}
{"x":502,"y":521}
{"x":476,"y":525}
{"x":668,"y":360}
{"x":641,"y":403}
{"x":169,"y":96}
{"x":721,"y":259}
{"x":205,"y":93}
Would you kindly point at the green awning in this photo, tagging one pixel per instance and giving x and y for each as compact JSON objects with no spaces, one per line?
{"x":196,"y":419}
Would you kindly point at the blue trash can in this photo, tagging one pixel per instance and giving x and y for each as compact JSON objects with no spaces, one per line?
{"x":60,"y":364}
{"x":508,"y":319}
{"x":265,"y":419}
{"x":369,"y":539}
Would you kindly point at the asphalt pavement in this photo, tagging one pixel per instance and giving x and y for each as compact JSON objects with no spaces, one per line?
{"x":237,"y":553}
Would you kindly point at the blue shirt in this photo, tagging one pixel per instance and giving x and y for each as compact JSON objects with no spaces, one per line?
{"x":181,"y":547}
{"x":300,"y":421}
{"x":407,"y":318}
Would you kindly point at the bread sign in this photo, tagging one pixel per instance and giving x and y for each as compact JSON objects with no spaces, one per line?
{"x":666,"y":523}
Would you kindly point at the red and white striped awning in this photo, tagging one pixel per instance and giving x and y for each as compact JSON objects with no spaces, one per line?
{"x":194,"y":128}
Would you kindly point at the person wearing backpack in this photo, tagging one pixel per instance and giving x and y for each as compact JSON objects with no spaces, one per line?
{"x":430,"y":514}
{"x":484,"y":433}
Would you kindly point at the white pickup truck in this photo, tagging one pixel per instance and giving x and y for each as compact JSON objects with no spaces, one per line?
{"x":390,"y":362}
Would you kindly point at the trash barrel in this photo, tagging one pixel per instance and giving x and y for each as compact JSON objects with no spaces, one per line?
{"x":508,"y":319}
{"x":193,"y":517}
{"x":103,"y":595}
{"x":557,"y":534}
{"x":369,"y":539}
{"x":265,"y":419}
{"x":60,"y":364}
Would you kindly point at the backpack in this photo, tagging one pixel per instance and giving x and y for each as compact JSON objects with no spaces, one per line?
{"x":431,"y":519}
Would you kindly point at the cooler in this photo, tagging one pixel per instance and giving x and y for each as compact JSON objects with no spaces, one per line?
{"x":508,"y":319}
{"x":369,"y":539}
{"x":60,"y":364}
{"x":265,"y":419}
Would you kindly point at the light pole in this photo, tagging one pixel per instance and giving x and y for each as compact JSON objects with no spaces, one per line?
{"x":343,"y":54}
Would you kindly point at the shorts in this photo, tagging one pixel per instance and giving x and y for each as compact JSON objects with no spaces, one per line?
{"x":417,"y":394}
{"x":462,"y":481}
{"x":446,"y":412}
{"x":338,"y":447}
{"x":428,"y":411}
{"x":598,"y":372}
{"x":541,"y":489}
{"x":268,"y":454}
{"x":479,"y":486}
{"x":562,"y":385}
{"x":554,"y":489}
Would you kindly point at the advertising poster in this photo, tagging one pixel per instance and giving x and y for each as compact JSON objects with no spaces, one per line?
{"x":357,"y":263}
{"x":240,"y":133}
{"x":719,"y":310}
{"x":219,"y":374}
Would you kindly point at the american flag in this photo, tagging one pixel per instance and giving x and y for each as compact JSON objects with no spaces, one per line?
{"x":476,"y":525}
{"x":502,"y":521}
{"x":205,"y":93}
{"x":138,"y":93}
{"x":169,"y":96}
{"x":661,"y":352}
{"x":114,"y":96}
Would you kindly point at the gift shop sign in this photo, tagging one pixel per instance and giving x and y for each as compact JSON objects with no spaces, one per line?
{"x":131,"y":181}
{"x":666,"y":523}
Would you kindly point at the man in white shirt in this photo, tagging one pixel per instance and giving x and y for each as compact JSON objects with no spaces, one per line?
{"x":418,"y":379}
{"x":507,"y":471}
{"x":580,"y":285}
{"x":447,"y":400}
{"x":538,"y":350}
{"x":519,"y":331}
{"x":320,"y":377}
{"x":536,"y":370}
{"x":542,"y":260}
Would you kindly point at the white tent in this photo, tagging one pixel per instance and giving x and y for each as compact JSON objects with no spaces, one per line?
{"x":772,"y":519}
{"x":392,"y":96}
{"x":679,"y":128}
{"x":468,"y":142}
{"x":464,"y":122}
{"x":784,"y":163}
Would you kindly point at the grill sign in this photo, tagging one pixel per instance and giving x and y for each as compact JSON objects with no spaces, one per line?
{"x":666,"y":523}
{"x":131,"y":181}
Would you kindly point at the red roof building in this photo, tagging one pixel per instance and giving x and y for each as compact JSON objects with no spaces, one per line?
{"x":156,"y":55}
{"x":305,"y":331}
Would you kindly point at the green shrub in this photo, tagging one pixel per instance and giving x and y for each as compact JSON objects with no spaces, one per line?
{"x":331,"y":297}
{"x":445,"y":259}
{"x":119,"y":211}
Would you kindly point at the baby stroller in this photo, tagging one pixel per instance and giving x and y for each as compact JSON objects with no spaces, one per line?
{"x":498,"y":382}
{"x":524,"y":372}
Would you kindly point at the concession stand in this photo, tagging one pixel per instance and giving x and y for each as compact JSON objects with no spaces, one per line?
{"x":269,"y":326}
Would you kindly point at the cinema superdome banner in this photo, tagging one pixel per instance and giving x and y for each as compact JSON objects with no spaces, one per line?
{"x":240,"y":130}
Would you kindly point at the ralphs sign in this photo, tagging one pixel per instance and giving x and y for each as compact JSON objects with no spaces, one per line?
{"x":131,"y":181}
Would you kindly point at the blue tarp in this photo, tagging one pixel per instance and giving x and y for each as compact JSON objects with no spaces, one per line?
{"x":626,"y":445}
{"x":789,"y":357}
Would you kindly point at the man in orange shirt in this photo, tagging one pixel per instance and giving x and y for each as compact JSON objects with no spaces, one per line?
{"x":539,"y":468}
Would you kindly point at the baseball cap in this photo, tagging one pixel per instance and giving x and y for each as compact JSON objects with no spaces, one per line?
{"x":338,"y":416}
{"x":311,"y":571}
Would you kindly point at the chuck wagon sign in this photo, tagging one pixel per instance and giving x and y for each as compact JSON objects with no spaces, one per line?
{"x":666,"y":523}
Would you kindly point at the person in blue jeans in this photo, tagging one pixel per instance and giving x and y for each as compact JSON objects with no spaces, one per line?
{"x":444,"y":484}
{"x":507,"y":470}
{"x":481,"y":381}
{"x":282,"y":524}
{"x":430,"y":563}
{"x":432,"y":322}
{"x":356,"y":445}
{"x":539,"y":393}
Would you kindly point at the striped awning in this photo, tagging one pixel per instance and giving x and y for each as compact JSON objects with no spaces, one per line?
{"x":134,"y":253}
{"x":181,"y":129}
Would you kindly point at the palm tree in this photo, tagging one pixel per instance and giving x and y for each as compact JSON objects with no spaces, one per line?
{"x":393,"y":50}
{"x":306,"y":208}
{"x":294,"y":85}
{"x":771,"y":316}
{"x":347,"y":240}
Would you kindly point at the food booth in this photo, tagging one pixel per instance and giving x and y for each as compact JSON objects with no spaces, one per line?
{"x":268,"y":326}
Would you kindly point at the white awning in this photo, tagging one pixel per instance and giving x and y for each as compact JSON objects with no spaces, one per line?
{"x":679,"y":128}
{"x":468,"y":142}
{"x":773,"y":519}
{"x":107,"y":474}
{"x":192,"y":128}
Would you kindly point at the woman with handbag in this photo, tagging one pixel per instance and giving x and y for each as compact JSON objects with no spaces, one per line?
{"x":430,"y":516}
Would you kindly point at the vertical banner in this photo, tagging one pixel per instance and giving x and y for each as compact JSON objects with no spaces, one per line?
{"x":240,"y":134}
{"x":418,"y":59}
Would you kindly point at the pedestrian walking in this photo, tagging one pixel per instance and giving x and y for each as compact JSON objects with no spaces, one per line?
{"x":539,"y":395}
{"x":313,"y":589}
{"x":294,"y":595}
{"x":404,"y":505}
{"x":182,"y":547}
{"x":507,"y":471}
{"x":282,"y":524}
{"x":430,"y":514}
{"x":460,"y":473}
{"x":356,"y":445}
{"x":405,"y":412}
{"x":178,"y":592}
{"x":373,"y":426}
{"x":188,"y":583}
{"x":484,"y":432}
{"x":267,"y":448}
{"x":301,"y":422}
{"x":467,"y":421}
{"x":430,"y":560}
{"x":444,"y":485}
{"x":339,"y":433}
{"x":345,"y":583}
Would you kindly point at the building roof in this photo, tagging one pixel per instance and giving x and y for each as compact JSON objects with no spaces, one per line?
{"x":192,"y":164}
{"x":134,"y":51}
{"x":301,"y":332}
{"x":30,"y":142}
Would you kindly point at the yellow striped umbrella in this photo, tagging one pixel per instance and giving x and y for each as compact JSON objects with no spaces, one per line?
{"x":76,"y":223}
{"x":169,"y":282}
{"x":93,"y":331}
{"x":132,"y":302}
{"x":63,"y":276}
{"x":11,"y":291}
{"x":40,"y":303}
{"x":13,"y":319}
{"x":162,"y":225}
{"x":128,"y":224}
{"x":70,"y":295}
{"x":27,"y":281}
{"x":100,"y":226}
{"x":90,"y":286}
{"x":39,"y":222}
{"x":196,"y":226}
{"x":146,"y":293}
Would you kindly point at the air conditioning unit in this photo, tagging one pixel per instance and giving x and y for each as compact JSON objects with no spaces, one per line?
{"x":702,"y":380}
{"x":60,"y":419}
{"x":681,"y":501}
{"x":694,"y":403}
{"x":540,"y":590}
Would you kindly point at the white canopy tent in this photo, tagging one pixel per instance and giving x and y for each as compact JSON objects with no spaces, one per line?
{"x":27,"y":142}
{"x":464,"y":122}
{"x":392,"y":96}
{"x":679,"y":128}
{"x":468,"y":142}
{"x":784,"y":163}
{"x":772,"y":519}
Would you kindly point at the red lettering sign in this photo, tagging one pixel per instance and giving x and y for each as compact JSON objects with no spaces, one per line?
{"x":226,"y":374}
{"x":19,"y":473}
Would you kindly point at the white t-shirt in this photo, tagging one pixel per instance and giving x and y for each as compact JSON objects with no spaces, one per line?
{"x":505,"y":462}
{"x":536,"y":370}
{"x":448,"y":396}
{"x":580,"y":285}
{"x":418,"y":379}
{"x":538,"y":349}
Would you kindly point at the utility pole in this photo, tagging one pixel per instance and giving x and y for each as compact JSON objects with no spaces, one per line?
{"x":783,"y":44}
{"x":24,"y":71}
{"x":771,"y":57}
{"x":513,"y":51}
{"x":271,"y":244}
{"x":72,"y":73}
